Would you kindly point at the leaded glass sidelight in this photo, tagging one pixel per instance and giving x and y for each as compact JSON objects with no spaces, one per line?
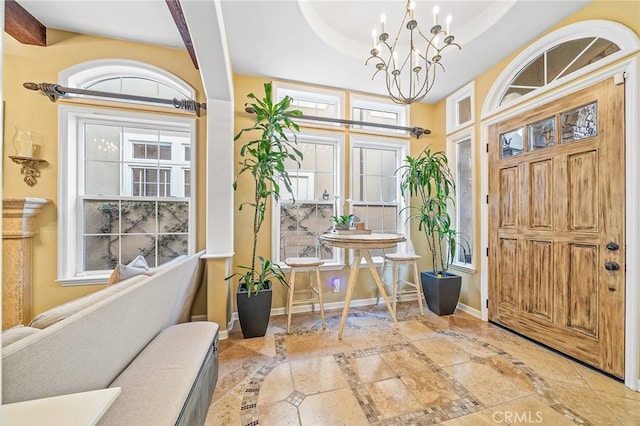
{"x":542,"y":134}
{"x":579,"y":123}
{"x":512,"y":143}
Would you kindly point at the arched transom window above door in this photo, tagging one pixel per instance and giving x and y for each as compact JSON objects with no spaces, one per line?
{"x":559,"y":57}
{"x":557,"y":62}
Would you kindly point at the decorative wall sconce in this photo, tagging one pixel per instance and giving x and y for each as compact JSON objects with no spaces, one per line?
{"x":26,"y":154}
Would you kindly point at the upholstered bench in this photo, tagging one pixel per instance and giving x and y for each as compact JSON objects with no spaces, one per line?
{"x":171,"y":381}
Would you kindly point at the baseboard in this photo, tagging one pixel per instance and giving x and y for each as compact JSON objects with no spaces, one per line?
{"x":327,"y":306}
{"x":199,"y":318}
{"x":339,"y":305}
{"x":469,"y":310}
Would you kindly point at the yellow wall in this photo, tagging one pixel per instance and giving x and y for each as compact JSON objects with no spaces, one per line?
{"x":28,"y":109}
{"x":420,"y":115}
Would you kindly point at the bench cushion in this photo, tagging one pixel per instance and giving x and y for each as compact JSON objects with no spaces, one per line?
{"x":158,"y":383}
{"x":16,"y":333}
{"x":61,"y":312}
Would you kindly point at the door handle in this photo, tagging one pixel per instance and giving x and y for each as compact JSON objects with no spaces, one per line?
{"x":611,"y":266}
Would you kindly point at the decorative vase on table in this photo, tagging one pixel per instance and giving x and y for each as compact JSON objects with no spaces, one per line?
{"x":441,"y":292}
{"x":254,"y":310}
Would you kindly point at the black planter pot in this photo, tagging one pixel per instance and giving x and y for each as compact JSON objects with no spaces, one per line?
{"x":441,"y":293}
{"x":254,"y":311}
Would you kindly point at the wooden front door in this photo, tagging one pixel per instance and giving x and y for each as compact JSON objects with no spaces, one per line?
{"x":556,"y":225}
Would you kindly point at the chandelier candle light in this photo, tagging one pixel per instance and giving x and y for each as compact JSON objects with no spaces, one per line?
{"x":417,"y":81}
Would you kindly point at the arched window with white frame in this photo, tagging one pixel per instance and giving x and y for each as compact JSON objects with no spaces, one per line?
{"x":557,"y":58}
{"x":125,"y":179}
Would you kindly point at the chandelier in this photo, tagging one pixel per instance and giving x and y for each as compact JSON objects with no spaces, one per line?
{"x":410,"y":75}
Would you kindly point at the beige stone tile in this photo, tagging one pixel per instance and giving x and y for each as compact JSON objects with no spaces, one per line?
{"x":434,"y":321}
{"x":224,"y":412}
{"x":318,"y":374}
{"x":278,"y":414}
{"x":217,"y":394}
{"x":603,"y":383}
{"x":464,"y":321}
{"x":392,"y":398}
{"x":481,"y":418}
{"x":277,"y":386}
{"x":583,"y":401}
{"x":627,"y":410}
{"x":335,"y":408}
{"x":236,"y":364}
{"x":430,"y":389}
{"x":371,"y":321}
{"x":545,"y":363}
{"x":414,"y":330}
{"x":225,"y":344}
{"x":528,"y":410}
{"x":505,"y":366}
{"x":472,"y":346}
{"x":320,"y":343}
{"x":483,"y":331}
{"x":441,"y":350}
{"x":263,"y":345}
{"x":371,"y":368}
{"x":369,"y":337}
{"x":404,"y":363}
{"x":488,"y":386}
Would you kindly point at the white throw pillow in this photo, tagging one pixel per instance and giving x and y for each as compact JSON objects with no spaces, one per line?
{"x":121,"y":272}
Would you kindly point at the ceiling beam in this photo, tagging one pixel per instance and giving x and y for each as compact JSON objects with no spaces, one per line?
{"x":178,"y":17}
{"x":22,"y":26}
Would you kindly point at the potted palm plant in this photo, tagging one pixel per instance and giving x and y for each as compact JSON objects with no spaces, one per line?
{"x":428,"y":178}
{"x":263,"y":158}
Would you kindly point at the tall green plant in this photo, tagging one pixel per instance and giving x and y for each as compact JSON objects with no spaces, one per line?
{"x":264,"y":159}
{"x":429,"y":178}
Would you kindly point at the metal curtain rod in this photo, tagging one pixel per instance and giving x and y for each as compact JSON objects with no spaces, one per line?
{"x":416,"y":131}
{"x":55,"y":91}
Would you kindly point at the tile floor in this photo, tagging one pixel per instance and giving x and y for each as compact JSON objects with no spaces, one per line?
{"x":453,"y":370}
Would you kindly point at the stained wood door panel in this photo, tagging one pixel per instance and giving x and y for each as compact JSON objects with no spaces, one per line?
{"x":509,"y":191}
{"x":540,"y":280}
{"x":541,"y":207}
{"x":582,"y":177}
{"x":582,"y":289}
{"x":552,"y":212}
{"x":508,"y":272}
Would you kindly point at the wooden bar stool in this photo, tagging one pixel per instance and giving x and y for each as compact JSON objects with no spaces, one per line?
{"x":299,"y":264}
{"x":400,"y":287}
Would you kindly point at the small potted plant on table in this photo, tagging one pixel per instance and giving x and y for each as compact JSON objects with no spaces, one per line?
{"x":428,"y":178}
{"x":342,"y":222}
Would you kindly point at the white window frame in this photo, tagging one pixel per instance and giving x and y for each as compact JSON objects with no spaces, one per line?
{"x":87,"y":73}
{"x":384,"y":105}
{"x":452,"y":153}
{"x":70,"y":184}
{"x":336,"y":98}
{"x":337,"y":140}
{"x":402,"y":147}
{"x":453,"y":117}
{"x":624,"y":37}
